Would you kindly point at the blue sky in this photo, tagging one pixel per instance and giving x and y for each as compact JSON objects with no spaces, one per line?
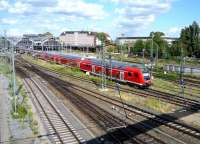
{"x":115,"y":17}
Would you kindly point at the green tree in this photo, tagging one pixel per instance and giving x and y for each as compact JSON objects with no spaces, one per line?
{"x":158,"y":43}
{"x":175,"y":49}
{"x":190,"y":40}
{"x":103,"y":37}
{"x":148,"y":45}
{"x":111,"y":48}
{"x":138,"y":47}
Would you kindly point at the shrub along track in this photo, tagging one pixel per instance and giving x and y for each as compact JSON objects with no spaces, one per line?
{"x":154,"y":119}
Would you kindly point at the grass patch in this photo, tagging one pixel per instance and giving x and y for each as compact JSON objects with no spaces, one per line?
{"x":157,"y":105}
{"x":148,"y":103}
{"x":174,"y":88}
{"x":24,"y":111}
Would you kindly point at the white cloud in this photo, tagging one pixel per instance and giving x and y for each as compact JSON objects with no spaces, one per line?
{"x":128,"y":16}
{"x":22,"y":8}
{"x":79,"y":9}
{"x":8,"y":21}
{"x":173,"y":31}
{"x":14,"y":32}
{"x":4,"y":5}
{"x":23,"y":16}
{"x":136,"y":15}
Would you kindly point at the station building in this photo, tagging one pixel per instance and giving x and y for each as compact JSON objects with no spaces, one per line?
{"x":39,"y":42}
{"x":80,"y":40}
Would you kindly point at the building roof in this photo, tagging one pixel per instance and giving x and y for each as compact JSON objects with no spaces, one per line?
{"x":133,"y":37}
{"x":37,"y":37}
{"x":81,"y":32}
{"x":171,"y":38}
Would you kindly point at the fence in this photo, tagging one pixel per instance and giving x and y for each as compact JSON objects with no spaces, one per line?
{"x":186,"y":69}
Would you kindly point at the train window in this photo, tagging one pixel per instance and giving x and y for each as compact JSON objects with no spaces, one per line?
{"x":136,"y":75}
{"x":87,"y":65}
{"x":129,"y":74}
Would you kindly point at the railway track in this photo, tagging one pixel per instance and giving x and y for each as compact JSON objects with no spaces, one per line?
{"x":192,"y":82}
{"x":170,"y":98}
{"x":168,"y":121}
{"x":188,"y":91}
{"x":103,"y":118}
{"x":133,"y":112}
{"x":57,"y":123}
{"x":155,"y":118}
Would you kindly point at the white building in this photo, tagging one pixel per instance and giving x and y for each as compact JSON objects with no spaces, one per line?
{"x":128,"y":40}
{"x":79,"y":38}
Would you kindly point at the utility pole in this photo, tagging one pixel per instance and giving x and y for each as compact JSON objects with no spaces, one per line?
{"x":152,"y":46}
{"x":110,"y":60}
{"x":103,"y":65}
{"x":102,"y":72}
{"x":151,"y":57}
{"x":121,"y":49}
{"x":181,"y":73}
{"x":156,"y":55}
{"x":13,"y":74}
{"x":143,"y":50}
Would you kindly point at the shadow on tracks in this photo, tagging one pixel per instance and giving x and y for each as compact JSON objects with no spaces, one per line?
{"x":171,"y":118}
{"x":179,"y":114}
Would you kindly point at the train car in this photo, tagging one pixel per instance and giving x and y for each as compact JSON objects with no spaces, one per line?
{"x":42,"y":56}
{"x":120,"y":71}
{"x":72,"y":60}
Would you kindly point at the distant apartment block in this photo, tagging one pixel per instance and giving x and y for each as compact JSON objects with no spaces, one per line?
{"x":128,"y":40}
{"x":79,"y":39}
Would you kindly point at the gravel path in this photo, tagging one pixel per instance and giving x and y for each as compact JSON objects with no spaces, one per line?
{"x":4,"y":110}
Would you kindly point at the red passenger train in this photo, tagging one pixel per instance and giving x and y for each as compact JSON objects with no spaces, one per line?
{"x":121,"y":71}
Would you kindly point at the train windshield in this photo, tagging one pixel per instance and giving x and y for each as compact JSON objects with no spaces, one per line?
{"x":146,"y":74}
{"x":147,"y":77}
{"x":145,"y":70}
